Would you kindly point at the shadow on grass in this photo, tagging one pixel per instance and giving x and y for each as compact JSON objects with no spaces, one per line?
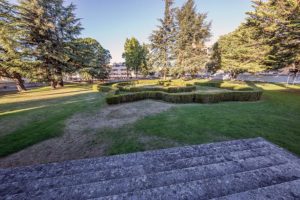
{"x":51,"y":124}
{"x":45,"y":102}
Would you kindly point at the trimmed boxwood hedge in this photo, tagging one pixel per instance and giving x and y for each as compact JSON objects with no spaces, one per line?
{"x":186,"y":97}
{"x":162,"y":89}
{"x":181,"y":93}
{"x":225,"y":85}
{"x":108,"y":89}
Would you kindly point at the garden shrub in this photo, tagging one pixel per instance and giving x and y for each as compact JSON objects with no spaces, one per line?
{"x":179,"y":91}
{"x":96,"y":87}
{"x":186,"y":97}
{"x":226,"y":85}
{"x":103,"y":88}
{"x":162,"y":89}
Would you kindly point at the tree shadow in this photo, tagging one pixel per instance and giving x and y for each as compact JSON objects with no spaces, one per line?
{"x":17,"y":108}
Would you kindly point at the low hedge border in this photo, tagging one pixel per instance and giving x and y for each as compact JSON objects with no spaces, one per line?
{"x":107,"y":89}
{"x":226,"y":85}
{"x":186,"y":97}
{"x":161,"y":89}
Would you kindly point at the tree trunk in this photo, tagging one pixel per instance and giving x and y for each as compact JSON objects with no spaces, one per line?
{"x":233,"y":75}
{"x":136,"y":73}
{"x":19,"y":82}
{"x":127,"y":73}
{"x":60,"y":83}
{"x":59,"y":75}
{"x":53,"y":84}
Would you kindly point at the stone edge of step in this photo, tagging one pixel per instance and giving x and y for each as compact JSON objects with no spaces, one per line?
{"x":105,"y":159}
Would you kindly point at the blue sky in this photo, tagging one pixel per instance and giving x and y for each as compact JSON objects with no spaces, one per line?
{"x":112,"y":21}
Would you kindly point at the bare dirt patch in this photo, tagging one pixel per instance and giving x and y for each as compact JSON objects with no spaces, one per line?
{"x":79,"y":140}
{"x":118,"y":115}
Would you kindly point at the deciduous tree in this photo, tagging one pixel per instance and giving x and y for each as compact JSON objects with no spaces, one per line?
{"x":135,"y":55}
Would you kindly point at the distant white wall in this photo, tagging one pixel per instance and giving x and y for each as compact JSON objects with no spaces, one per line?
{"x":269,"y":78}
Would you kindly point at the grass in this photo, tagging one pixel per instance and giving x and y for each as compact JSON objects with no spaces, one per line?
{"x":37,"y":115}
{"x":31,"y":117}
{"x":276,"y":118}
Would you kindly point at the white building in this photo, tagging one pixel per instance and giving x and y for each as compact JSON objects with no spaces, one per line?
{"x":119,"y":71}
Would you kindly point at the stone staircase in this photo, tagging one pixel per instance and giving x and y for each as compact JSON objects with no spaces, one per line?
{"x":241,"y":169}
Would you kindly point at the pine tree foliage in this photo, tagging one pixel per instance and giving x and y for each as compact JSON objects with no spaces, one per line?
{"x":90,"y":58}
{"x":162,"y":41}
{"x":241,"y":51}
{"x":278,"y":23}
{"x":215,"y":60}
{"x":192,"y":31}
{"x":49,"y":27}
{"x":14,"y":61}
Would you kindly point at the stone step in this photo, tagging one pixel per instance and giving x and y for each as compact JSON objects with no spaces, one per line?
{"x":138,"y":170}
{"x":212,"y":179}
{"x":218,"y":186}
{"x":288,"y":191}
{"x":142,"y":158}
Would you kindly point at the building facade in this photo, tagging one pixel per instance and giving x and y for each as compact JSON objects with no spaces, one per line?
{"x":119,"y":71}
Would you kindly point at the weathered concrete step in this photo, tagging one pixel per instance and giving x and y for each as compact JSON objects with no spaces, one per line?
{"x":255,"y":155}
{"x":142,"y":158}
{"x":287,"y":191}
{"x":216,"y":187}
{"x":209,"y":175}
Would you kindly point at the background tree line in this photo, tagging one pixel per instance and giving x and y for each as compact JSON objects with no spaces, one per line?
{"x":268,"y":39}
{"x":176,"y":47}
{"x":178,"y":44}
{"x":39,"y":41}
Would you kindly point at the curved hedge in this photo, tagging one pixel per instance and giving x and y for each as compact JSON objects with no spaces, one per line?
{"x":178,"y":92}
{"x":104,"y":88}
{"x":186,"y":97}
{"x":161,"y":89}
{"x":226,"y":85}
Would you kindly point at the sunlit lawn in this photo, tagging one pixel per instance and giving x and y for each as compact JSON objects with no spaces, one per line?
{"x":276,"y":118}
{"x":37,"y":115}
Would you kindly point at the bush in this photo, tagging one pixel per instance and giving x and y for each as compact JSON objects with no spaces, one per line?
{"x":109,"y":89}
{"x":186,"y":97}
{"x":179,"y":91}
{"x":95,"y":87}
{"x":162,"y":89}
{"x":226,"y":85}
{"x":164,"y":82}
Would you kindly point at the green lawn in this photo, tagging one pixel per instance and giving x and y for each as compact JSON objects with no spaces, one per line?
{"x":37,"y":115}
{"x":276,"y":118}
{"x":40,"y":114}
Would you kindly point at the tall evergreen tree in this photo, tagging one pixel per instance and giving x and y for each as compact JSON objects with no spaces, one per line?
{"x":90,"y":58}
{"x":49,"y":28}
{"x":278,"y":24}
{"x":145,"y":66}
{"x":192,"y":33}
{"x":14,"y":61}
{"x":162,"y":41}
{"x":214,"y":63}
{"x":241,"y":51}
